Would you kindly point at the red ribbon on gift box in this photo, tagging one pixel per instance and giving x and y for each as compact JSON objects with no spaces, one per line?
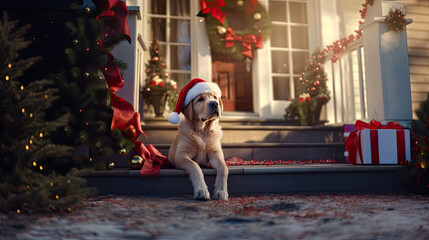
{"x":353,"y":142}
{"x":247,"y":41}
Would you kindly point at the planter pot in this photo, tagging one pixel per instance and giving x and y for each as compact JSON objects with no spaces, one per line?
{"x":159,"y":99}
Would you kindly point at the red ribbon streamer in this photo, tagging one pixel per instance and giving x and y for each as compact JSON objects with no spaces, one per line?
{"x":116,"y":20}
{"x":213,"y":8}
{"x":247,"y":41}
{"x":354,"y":145}
{"x":114,"y":14}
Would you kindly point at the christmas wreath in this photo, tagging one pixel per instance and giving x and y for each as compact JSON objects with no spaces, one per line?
{"x":237,"y":44}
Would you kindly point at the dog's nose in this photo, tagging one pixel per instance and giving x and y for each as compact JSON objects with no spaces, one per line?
{"x":213,"y":104}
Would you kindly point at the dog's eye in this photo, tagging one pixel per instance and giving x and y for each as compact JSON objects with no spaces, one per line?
{"x":200,"y":99}
{"x":215,"y":97}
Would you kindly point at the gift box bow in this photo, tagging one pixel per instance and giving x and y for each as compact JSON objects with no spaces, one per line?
{"x":353,"y":140}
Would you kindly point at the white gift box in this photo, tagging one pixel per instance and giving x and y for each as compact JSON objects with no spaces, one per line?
{"x":383,"y":146}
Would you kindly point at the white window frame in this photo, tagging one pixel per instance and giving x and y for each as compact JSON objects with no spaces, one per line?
{"x":266,"y":105}
{"x":168,"y":43}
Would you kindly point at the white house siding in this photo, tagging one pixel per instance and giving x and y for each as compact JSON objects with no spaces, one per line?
{"x":418,"y":49}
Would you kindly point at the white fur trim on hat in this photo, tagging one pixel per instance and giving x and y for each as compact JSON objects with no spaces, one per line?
{"x":199,"y":88}
{"x":174,"y":118}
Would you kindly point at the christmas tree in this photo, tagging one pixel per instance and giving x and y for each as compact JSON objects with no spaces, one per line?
{"x":84,"y":92}
{"x":312,"y":92}
{"x":35,"y":173}
{"x":418,"y":168}
{"x":159,"y":88}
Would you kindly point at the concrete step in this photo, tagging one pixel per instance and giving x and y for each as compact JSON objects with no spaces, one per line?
{"x":340,"y":178}
{"x":256,"y":134}
{"x":277,"y":151}
{"x":249,"y":120}
{"x":262,"y":151}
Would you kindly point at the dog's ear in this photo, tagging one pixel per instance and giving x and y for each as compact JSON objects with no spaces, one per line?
{"x":221,"y":106}
{"x":188,"y":111}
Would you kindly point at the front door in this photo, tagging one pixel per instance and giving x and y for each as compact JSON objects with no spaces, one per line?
{"x":235,"y":82}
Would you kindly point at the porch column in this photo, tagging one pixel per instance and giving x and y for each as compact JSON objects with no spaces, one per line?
{"x":132,"y":55}
{"x":387,"y":72}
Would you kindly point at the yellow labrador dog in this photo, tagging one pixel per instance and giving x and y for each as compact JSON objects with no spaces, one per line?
{"x":198,"y":143}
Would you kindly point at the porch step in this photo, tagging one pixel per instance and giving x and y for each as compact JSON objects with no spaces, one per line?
{"x":261,"y":151}
{"x":248,"y":119}
{"x":259,"y":179}
{"x":256,"y":134}
{"x":278,"y":151}
{"x":265,"y":142}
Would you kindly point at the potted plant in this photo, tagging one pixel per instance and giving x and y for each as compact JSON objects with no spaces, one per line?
{"x":312,"y":91}
{"x":159,"y":89}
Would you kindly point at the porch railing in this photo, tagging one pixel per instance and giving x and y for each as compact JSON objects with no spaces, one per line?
{"x":348,"y":88}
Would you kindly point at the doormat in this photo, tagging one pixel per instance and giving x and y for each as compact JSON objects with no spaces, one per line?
{"x":235,"y":161}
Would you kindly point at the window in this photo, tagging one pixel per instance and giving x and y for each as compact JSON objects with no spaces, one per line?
{"x":170,"y":24}
{"x":289,"y":45}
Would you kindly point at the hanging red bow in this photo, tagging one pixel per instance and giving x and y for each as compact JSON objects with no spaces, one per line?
{"x":247,"y":41}
{"x":213,"y":8}
{"x":115,"y":21}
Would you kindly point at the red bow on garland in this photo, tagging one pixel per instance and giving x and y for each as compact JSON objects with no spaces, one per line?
{"x":213,"y":8}
{"x":247,"y":41}
{"x":353,"y":140}
{"x":251,"y":7}
{"x":114,"y":14}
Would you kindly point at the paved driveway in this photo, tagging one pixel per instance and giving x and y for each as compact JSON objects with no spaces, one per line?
{"x":326,"y":216}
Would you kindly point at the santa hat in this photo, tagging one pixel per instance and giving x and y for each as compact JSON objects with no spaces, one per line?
{"x":194,"y":88}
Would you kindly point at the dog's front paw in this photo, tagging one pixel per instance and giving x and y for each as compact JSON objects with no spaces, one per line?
{"x":221,"y":195}
{"x":201,"y":194}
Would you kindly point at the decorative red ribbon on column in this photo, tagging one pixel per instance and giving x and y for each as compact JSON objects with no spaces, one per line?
{"x":114,"y":14}
{"x":213,"y":8}
{"x":354,"y":145}
{"x":247,"y":41}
